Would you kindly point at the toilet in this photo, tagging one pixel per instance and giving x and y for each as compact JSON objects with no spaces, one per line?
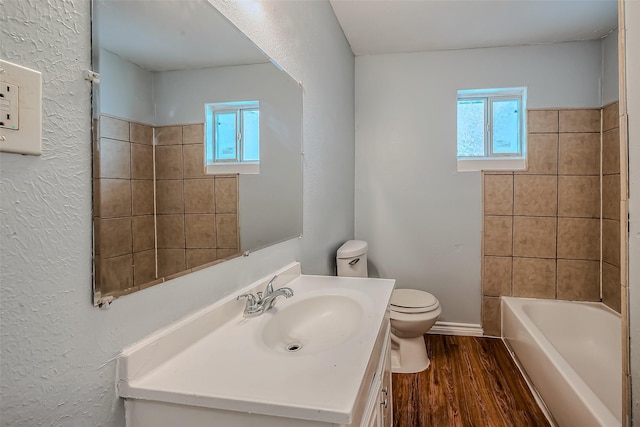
{"x":413,"y":312}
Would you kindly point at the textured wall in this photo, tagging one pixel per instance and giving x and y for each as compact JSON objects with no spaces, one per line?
{"x":56,"y":350}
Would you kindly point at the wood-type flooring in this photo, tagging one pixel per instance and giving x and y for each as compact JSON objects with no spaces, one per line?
{"x":472,"y":382}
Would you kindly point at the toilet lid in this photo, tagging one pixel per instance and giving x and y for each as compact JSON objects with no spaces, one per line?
{"x":412,"y":301}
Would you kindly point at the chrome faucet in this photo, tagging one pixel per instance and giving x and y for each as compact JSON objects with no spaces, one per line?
{"x":263,"y":301}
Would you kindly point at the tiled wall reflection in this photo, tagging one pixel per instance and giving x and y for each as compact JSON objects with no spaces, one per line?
{"x":542,"y":226}
{"x":196,"y":218}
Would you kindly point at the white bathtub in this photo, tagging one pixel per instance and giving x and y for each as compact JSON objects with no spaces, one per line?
{"x":571,"y":352}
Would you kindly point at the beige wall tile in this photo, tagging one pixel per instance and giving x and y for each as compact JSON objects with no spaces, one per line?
{"x":169,"y":196}
{"x":95,"y":158}
{"x":143,"y":233}
{"x":114,"y":198}
{"x":141,"y":134}
{"x":142,"y":197}
{"x":200,"y":230}
{"x":535,"y":195}
{"x":497,"y":235}
{"x":95,"y":129}
{"x":114,"y":128}
{"x":578,"y":280}
{"x":199,"y":196}
{"x":534,"y":277}
{"x":611,"y":197}
{"x":491,"y":316}
{"x":227,"y":253}
{"x":579,"y":238}
{"x":115,"y":274}
{"x":141,"y":161}
{"x":611,"y":289}
{"x":115,"y":237}
{"x":610,"y":116}
{"x":227,"y":231}
{"x":534,"y":237}
{"x":226,"y":195}
{"x":579,"y":120}
{"x":171,"y":233}
{"x":96,"y":197}
{"x":611,"y":242}
{"x":169,"y":162}
{"x":197,"y":257}
{"x":171,"y":261}
{"x":579,"y":154}
{"x":115,"y":159}
{"x":498,"y":194}
{"x":144,"y":267}
{"x":496,"y":279}
{"x":169,"y":135}
{"x":193,"y":156}
{"x":579,"y":196}
{"x":611,"y":151}
{"x":193,"y":134}
{"x":542,"y":154}
{"x":542,"y":121}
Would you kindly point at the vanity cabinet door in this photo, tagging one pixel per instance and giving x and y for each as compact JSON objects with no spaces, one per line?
{"x":386,"y":401}
{"x":376,"y":419}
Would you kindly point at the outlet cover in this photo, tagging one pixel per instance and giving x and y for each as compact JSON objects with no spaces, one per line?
{"x":20,"y":109}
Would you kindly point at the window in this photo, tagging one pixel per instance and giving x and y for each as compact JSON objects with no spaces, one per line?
{"x":232,"y":133}
{"x":491,"y":129}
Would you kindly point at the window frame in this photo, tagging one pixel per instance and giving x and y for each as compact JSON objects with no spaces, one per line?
{"x":237,"y":164}
{"x":492,"y":160}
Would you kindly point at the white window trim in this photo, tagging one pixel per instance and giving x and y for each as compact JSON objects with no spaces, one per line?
{"x":252,"y":168}
{"x":500,"y":161}
{"x":227,"y":167}
{"x":470,"y":164}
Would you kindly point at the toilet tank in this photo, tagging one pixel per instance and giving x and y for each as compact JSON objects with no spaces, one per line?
{"x":351,"y":259}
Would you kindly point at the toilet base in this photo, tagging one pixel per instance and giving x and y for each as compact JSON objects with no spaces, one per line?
{"x":408,"y":355}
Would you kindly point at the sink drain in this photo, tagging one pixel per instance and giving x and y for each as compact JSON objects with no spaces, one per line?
{"x":293,"y":347}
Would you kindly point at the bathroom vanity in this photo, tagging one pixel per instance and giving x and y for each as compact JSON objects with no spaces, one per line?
{"x":318,"y":358}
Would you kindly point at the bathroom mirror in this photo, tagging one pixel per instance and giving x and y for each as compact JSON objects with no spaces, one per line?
{"x":165,"y":68}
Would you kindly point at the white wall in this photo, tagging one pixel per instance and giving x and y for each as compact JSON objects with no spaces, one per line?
{"x":422,"y":219}
{"x":270,"y":203}
{"x":632,"y":57}
{"x":57,"y":350}
{"x":126,"y":90}
{"x":610,"y":78}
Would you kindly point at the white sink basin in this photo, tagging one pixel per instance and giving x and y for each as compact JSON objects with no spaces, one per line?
{"x":219,"y":360}
{"x":313,"y":324}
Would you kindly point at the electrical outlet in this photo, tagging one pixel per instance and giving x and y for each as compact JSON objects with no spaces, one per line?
{"x":9,"y":107}
{"x":20,"y":109}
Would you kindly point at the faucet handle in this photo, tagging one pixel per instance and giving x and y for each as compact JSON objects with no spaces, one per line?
{"x":269,"y":289}
{"x":251,"y":299}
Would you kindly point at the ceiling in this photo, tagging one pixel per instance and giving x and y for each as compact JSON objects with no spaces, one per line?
{"x":160,"y":35}
{"x":394,"y":26}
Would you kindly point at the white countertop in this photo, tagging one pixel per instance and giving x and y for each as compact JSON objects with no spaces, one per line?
{"x":232,"y":368}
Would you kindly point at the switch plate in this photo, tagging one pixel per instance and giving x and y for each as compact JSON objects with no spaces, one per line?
{"x":21,"y":113}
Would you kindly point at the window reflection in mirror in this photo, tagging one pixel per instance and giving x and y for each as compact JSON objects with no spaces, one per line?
{"x":161,"y":208}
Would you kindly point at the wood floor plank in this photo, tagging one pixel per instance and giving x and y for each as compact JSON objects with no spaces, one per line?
{"x":472,"y":382}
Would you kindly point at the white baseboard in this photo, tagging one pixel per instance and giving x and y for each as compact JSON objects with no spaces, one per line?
{"x":451,"y":328}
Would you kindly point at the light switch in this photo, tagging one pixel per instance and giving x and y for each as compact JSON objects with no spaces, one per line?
{"x":20,"y":109}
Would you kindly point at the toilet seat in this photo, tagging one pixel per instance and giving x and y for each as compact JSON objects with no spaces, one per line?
{"x":412,"y":301}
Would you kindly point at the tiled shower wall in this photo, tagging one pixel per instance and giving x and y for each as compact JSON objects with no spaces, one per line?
{"x":542,"y":227}
{"x":196,"y":219}
{"x":611,"y":186}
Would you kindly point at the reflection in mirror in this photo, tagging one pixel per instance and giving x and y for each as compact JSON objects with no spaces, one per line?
{"x":175,"y":77}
